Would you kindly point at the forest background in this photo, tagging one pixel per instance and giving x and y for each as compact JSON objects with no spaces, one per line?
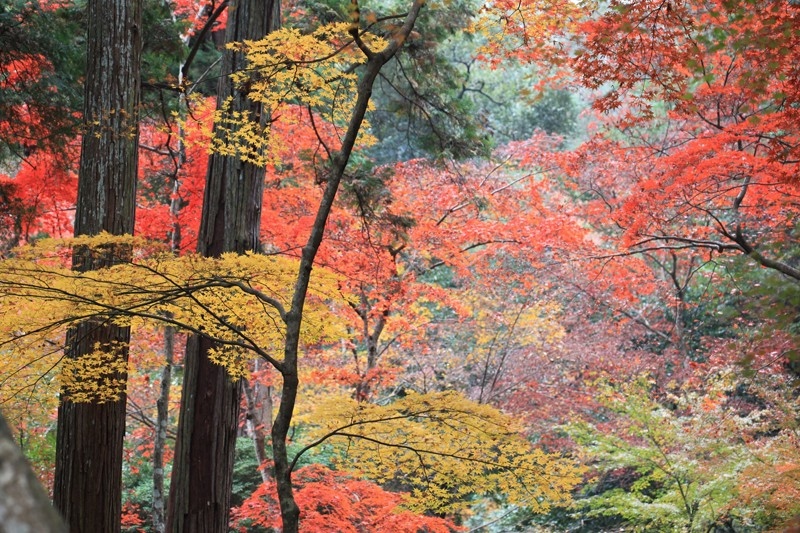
{"x":557,"y":288}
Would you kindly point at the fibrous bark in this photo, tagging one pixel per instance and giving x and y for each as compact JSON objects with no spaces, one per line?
{"x":88,"y":472}
{"x":200,"y":492}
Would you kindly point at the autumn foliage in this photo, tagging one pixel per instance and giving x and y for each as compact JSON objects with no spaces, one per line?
{"x":594,"y":330}
{"x":334,"y":500}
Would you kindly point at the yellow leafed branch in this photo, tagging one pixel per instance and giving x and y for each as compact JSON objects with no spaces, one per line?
{"x":236,"y":300}
{"x":314,"y":71}
{"x":444,"y":448}
{"x":95,"y":377}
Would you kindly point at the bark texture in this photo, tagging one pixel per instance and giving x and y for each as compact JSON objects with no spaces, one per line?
{"x":200,"y":492}
{"x":160,"y":441}
{"x":89,"y":443}
{"x":24,"y":504}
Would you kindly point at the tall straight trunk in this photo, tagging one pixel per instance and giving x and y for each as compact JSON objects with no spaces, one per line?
{"x":159,"y":511}
{"x":200,"y":491}
{"x":160,"y":440}
{"x":88,"y":474}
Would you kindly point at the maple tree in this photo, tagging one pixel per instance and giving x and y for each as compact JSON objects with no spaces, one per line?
{"x":38,"y":200}
{"x":666,"y":486}
{"x":374,"y":61}
{"x":702,"y":94}
{"x":695,"y":455}
{"x":334,"y":500}
{"x":468,"y":224}
{"x":37,"y":276}
{"x":444,"y":448}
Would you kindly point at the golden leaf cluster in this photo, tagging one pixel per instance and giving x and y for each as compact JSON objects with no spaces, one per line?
{"x":287,"y":67}
{"x":444,"y":448}
{"x":95,"y":377}
{"x":239,"y":301}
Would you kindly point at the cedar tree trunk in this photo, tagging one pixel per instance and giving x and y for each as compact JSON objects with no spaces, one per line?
{"x":88,"y":470}
{"x":200,"y":492}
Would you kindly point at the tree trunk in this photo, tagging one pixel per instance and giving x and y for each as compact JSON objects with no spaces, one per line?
{"x":24,"y":504}
{"x":200,"y":492}
{"x":88,"y":472}
{"x":202,"y":470}
{"x":259,"y":419}
{"x":290,"y":512}
{"x":160,"y":441}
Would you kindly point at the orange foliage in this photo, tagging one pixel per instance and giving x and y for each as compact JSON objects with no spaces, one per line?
{"x":719,"y":172}
{"x":333,"y":501}
{"x":700,"y":101}
{"x":161,"y":163}
{"x":131,"y":518}
{"x":196,"y":14}
{"x":47,"y":188}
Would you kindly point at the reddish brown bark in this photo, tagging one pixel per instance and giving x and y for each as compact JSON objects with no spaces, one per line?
{"x":88,"y":471}
{"x":200,"y":493}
